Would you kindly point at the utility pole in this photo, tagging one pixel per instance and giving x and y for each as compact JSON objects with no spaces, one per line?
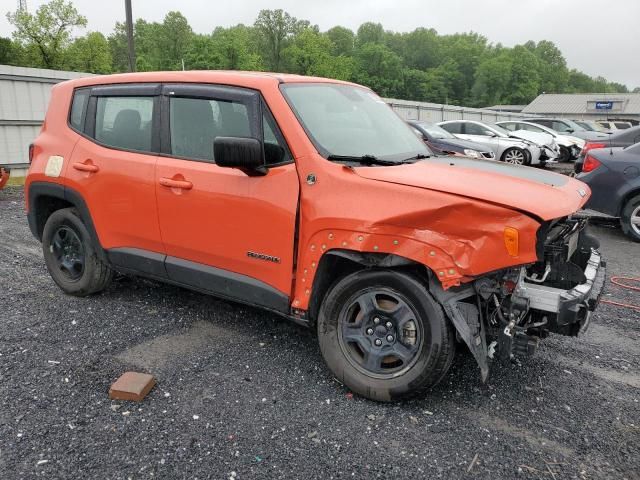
{"x":22,"y":6}
{"x":131,"y":47}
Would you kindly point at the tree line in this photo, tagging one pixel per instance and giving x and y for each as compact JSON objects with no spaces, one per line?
{"x":463,"y":68}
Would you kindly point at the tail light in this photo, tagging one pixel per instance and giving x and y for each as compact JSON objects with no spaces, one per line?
{"x":590,"y":164}
{"x":31,"y":148}
{"x":591,"y":145}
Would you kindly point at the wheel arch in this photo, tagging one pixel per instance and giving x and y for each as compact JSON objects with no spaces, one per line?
{"x":633,"y":192}
{"x":338,"y":263}
{"x":45,"y":198}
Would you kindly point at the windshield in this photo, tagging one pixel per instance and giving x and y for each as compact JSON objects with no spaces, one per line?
{"x":574,"y":126}
{"x":350,"y":121}
{"x":499,"y":129}
{"x":586,"y":126}
{"x":435,"y":131}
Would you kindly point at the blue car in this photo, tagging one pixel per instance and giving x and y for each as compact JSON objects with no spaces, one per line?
{"x":445,"y":143}
{"x":614,"y":177}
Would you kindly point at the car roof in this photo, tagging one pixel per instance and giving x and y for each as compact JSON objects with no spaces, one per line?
{"x":256,"y":80}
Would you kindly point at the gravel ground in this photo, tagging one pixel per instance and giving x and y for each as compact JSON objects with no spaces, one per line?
{"x":244,"y":394}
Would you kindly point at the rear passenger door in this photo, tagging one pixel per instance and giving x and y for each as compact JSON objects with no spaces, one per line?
{"x":225,"y":232}
{"x":113,"y":164}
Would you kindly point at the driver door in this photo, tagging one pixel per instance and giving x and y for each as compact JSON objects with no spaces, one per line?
{"x":224,"y":232}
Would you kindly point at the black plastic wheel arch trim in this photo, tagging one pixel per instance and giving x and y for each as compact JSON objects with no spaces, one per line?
{"x":50,"y":189}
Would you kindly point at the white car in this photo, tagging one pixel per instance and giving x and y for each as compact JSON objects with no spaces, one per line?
{"x":507,"y":147}
{"x":570,"y":146}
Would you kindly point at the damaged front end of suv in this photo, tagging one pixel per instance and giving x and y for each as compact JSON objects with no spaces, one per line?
{"x":504,"y":314}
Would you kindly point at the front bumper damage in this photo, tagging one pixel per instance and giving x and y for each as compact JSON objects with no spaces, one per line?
{"x":505,"y":314}
{"x":571,"y":308}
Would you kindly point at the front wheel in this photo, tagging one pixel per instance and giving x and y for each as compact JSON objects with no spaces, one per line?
{"x":384,"y":336}
{"x":515,"y":156}
{"x":630,"y":219}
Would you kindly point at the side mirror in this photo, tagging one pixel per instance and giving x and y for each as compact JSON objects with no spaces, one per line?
{"x":239,"y":152}
{"x":570,"y":130}
{"x":489,"y":133}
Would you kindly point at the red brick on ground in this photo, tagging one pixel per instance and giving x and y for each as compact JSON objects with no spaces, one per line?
{"x":132,"y":386}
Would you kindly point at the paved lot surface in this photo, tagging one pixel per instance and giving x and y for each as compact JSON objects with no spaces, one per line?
{"x":242,"y":393}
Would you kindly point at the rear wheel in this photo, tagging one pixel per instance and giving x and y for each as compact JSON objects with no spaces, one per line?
{"x":384,"y":336}
{"x":515,"y":156}
{"x":630,"y":218}
{"x":70,"y":255}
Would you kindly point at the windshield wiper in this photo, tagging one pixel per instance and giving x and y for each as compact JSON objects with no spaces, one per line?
{"x":363,"y":160}
{"x":418,"y":156}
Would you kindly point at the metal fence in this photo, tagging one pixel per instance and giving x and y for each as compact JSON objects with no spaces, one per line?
{"x":24,"y":96}
{"x":435,"y":112}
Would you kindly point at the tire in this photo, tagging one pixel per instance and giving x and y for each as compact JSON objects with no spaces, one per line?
{"x":630,"y":219}
{"x":71,"y":256}
{"x":515,"y":156}
{"x":565,"y":154}
{"x":402,"y":302}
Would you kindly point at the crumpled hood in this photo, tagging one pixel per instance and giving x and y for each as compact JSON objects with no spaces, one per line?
{"x":538,"y":192}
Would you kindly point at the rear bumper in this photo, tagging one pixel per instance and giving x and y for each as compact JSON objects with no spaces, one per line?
{"x":571,"y":308}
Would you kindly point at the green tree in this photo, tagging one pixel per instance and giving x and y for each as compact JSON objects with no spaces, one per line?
{"x":90,"y":53}
{"x":525,"y":81}
{"x":310,"y":53}
{"x":370,"y":32}
{"x":48,"y":31}
{"x":379,"y":68}
{"x":118,"y":46}
{"x":422,"y":49}
{"x":172,"y":37}
{"x":343,"y":40}
{"x":492,"y":80}
{"x":554,"y":75}
{"x":276,"y":27}
{"x":466,"y":51}
{"x":10,"y":53}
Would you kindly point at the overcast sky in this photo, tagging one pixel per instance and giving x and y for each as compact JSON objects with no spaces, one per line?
{"x":595,"y":36}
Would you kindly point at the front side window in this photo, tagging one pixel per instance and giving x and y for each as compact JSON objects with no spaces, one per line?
{"x":124,"y":122}
{"x":350,"y":121}
{"x":195,"y":123}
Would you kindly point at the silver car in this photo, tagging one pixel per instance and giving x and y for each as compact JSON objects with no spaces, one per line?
{"x":507,"y":149}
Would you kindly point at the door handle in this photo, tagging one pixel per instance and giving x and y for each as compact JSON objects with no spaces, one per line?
{"x":171,"y":183}
{"x":86,"y":167}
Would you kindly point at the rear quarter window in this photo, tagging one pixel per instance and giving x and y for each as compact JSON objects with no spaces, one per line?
{"x":78,"y":107}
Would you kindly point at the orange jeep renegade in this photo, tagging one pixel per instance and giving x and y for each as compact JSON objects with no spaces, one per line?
{"x":311,"y":198}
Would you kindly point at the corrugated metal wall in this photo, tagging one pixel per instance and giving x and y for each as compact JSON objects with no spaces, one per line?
{"x":24,"y":96}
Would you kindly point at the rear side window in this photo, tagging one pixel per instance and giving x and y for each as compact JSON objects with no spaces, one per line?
{"x":78,"y":105}
{"x":195,"y":123}
{"x":473,"y":129}
{"x":452,"y":127}
{"x":124,"y":122}
{"x":511,"y":126}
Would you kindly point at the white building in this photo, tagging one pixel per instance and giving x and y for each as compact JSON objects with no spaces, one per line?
{"x":588,"y":106}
